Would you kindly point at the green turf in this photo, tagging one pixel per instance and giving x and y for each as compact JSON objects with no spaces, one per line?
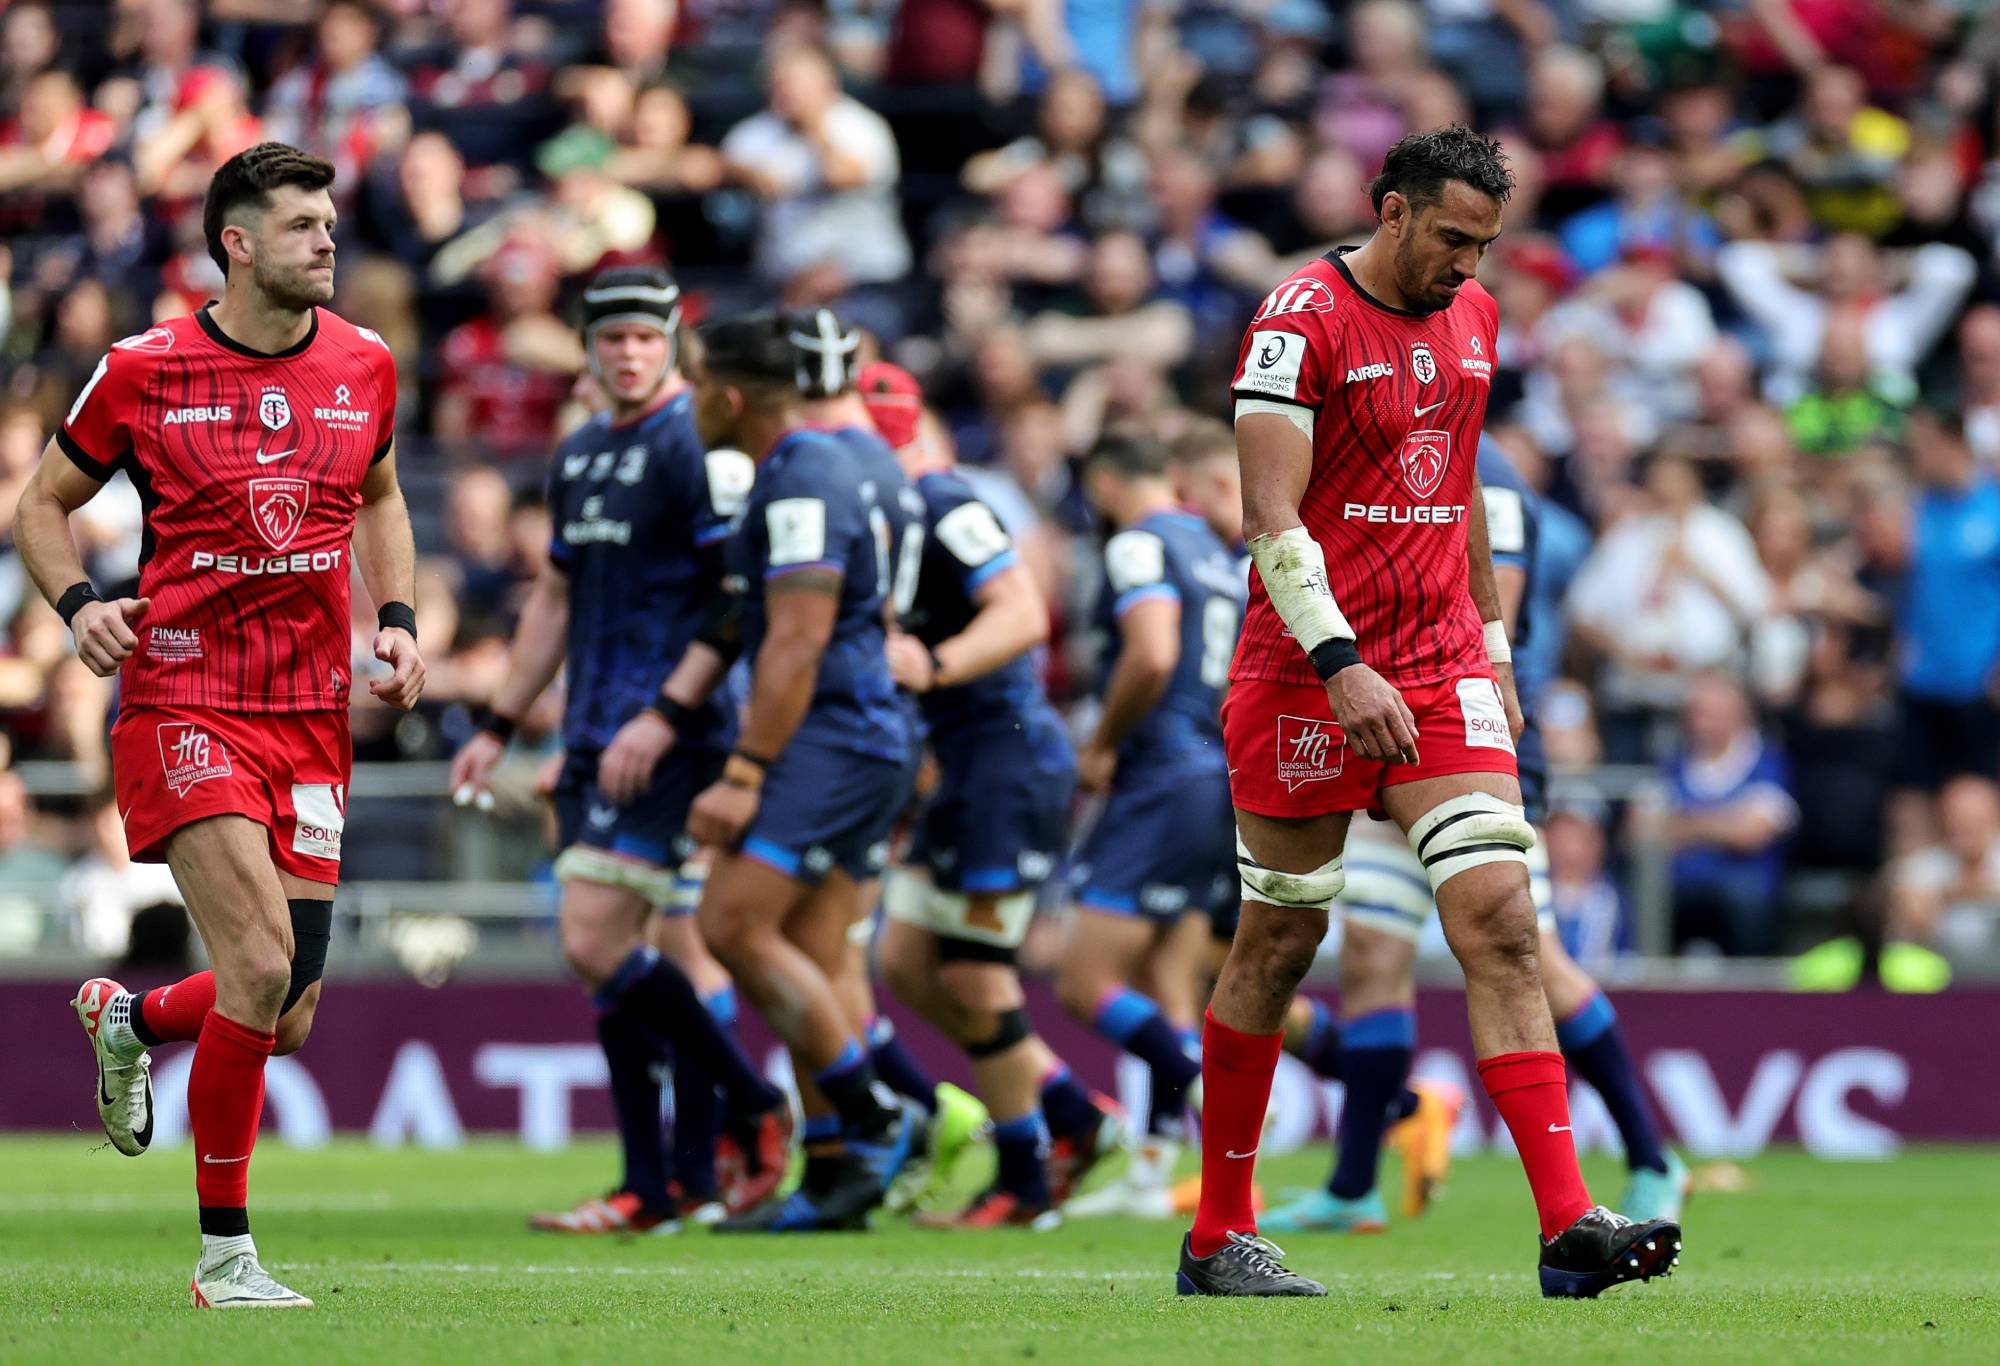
{"x":422,"y":1257}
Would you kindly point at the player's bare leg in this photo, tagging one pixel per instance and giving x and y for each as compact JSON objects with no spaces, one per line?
{"x":237,"y":900}
{"x":1176,"y":972}
{"x":1461,"y":826}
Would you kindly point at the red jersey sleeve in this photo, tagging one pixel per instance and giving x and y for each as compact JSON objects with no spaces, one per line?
{"x":385,"y":392}
{"x":1287,"y":352}
{"x":97,"y":434}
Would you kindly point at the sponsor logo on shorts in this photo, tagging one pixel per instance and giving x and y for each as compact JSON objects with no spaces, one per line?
{"x":190,"y":755}
{"x":818,"y":860}
{"x":1161,"y":899}
{"x":1485,"y":716}
{"x":172,"y":644}
{"x":1310,"y":750}
{"x":319,"y":818}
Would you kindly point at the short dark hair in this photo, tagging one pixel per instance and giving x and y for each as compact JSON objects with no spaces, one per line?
{"x":752,"y":347}
{"x":248,"y":178}
{"x":1130,"y":453}
{"x":1420,"y":165}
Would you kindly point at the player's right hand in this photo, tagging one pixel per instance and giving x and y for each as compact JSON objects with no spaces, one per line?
{"x":472,"y":767}
{"x":625,"y":769}
{"x":1373,"y":715}
{"x":103,"y":632}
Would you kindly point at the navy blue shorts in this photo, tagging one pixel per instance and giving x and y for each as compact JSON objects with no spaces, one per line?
{"x":997,"y":820}
{"x":651,"y":828}
{"x":826,"y":808}
{"x":1533,"y":760}
{"x":1164,"y":844}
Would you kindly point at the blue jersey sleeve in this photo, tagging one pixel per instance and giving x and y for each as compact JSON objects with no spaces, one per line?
{"x":1135,"y":570}
{"x":975,"y":543}
{"x":810,"y":521}
{"x":552,"y":498}
{"x":727,"y":477}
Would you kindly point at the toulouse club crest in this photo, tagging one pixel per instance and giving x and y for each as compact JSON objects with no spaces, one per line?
{"x":1423,"y":364}
{"x":278,"y":508}
{"x":274,"y":409}
{"x":1426,"y":455}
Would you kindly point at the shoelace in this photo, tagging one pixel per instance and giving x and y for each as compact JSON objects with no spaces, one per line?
{"x":247,"y":1274}
{"x":131,"y":1090}
{"x":1259,"y":1253}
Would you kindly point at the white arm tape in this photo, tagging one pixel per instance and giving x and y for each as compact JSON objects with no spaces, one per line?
{"x":1300,"y":417}
{"x":1293,"y":568}
{"x":1498,"y":651}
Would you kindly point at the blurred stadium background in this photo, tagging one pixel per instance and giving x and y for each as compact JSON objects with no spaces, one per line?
{"x":1750,"y":293}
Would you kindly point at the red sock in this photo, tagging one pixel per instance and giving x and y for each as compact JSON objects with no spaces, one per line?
{"x":173,"y":1014}
{"x":225,"y":1100}
{"x":1532,"y":1094}
{"x":1236,"y":1073}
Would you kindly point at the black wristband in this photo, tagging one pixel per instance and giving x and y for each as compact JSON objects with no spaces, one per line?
{"x":73,"y":599}
{"x":398,"y":616}
{"x":673,"y":712}
{"x":500,"y":727}
{"x":747,"y":757}
{"x":937,"y":670}
{"x":1329,"y":657}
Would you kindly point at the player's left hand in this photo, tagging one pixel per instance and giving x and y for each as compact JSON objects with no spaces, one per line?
{"x":1095,"y":766}
{"x":721,"y":814}
{"x":1510,"y":698}
{"x":910,"y":663}
{"x":625,"y":769}
{"x":398,"y":649}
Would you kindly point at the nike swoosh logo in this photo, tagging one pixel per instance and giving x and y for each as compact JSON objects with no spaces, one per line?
{"x":1559,"y":1128}
{"x":264,"y":459}
{"x":1430,"y":408}
{"x":224,"y":1161}
{"x":1250,"y":1154}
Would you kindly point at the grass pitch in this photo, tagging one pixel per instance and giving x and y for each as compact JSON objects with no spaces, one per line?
{"x":423,"y":1257}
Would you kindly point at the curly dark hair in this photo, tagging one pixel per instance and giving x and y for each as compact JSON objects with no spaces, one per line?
{"x":1420,"y":165}
{"x":247,"y":179}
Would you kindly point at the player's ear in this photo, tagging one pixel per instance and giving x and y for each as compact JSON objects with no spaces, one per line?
{"x":236,"y":243}
{"x":1395,"y":212}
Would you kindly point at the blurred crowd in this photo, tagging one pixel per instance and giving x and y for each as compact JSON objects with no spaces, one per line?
{"x":1750,"y":345}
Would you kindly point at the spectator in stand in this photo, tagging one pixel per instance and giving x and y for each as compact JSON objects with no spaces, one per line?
{"x":1361,"y":109}
{"x":1900,"y":327}
{"x":29,"y":45}
{"x":104,"y":889}
{"x":1103,"y":172}
{"x":1666,"y":594}
{"x":506,"y":373}
{"x":1118,"y":314}
{"x":1210,"y":265}
{"x":482,"y":547}
{"x":211,"y":123}
{"x":1850,"y":405}
{"x":48,"y":145}
{"x":1487,"y":44}
{"x":340,"y":102}
{"x":170,"y":56}
{"x":1652,"y":327}
{"x":639,"y":38}
{"x":1979,"y":381}
{"x":1725,"y":387}
{"x":118,"y":243}
{"x":1648,"y":211}
{"x":823,"y":168}
{"x":1948,"y":614}
{"x":1731,"y":811}
{"x":1844,"y":152}
{"x":1576,"y":145}
{"x":480,"y":90}
{"x":655,"y":154}
{"x":1590,"y":912}
{"x":27,"y":864}
{"x":1947,"y":895}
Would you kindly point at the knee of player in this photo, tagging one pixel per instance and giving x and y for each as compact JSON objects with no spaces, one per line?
{"x":589,"y":955}
{"x":1079,"y":986}
{"x":1282,"y":946}
{"x":1500,"y":933}
{"x":260,"y":972}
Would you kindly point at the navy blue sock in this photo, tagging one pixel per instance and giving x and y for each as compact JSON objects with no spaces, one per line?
{"x":1066,"y":1105}
{"x":1591,"y":1041}
{"x":1320,"y":1049}
{"x":895,"y":1066}
{"x":849,"y":1083}
{"x":1023,"y":1148}
{"x":1133,"y":1022}
{"x":698,"y":1111}
{"x":1375,"y":1063}
{"x":664,"y":992}
{"x":633,"y":1053}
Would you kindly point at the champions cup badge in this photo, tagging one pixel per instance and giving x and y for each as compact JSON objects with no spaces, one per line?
{"x":189,"y":755}
{"x":1425,"y":456}
{"x":1309,"y":751}
{"x":1423,"y":364}
{"x":278,"y":507}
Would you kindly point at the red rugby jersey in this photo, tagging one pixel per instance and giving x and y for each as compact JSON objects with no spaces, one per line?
{"x":250,"y":469}
{"x":1398,"y":399}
